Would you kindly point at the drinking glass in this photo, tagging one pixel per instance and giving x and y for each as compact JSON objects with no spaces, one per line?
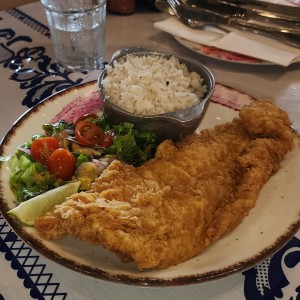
{"x":77,"y":30}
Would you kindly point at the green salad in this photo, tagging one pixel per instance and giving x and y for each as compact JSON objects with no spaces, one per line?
{"x":65,"y":152}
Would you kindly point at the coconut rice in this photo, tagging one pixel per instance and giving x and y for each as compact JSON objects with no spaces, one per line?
{"x":152,"y":84}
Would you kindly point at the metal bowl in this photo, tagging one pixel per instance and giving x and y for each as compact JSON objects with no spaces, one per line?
{"x":171,"y":125}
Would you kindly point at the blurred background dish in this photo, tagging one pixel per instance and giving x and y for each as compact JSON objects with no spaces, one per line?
{"x":217,"y":53}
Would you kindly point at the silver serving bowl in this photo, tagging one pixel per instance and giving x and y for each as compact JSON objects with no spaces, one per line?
{"x":171,"y":125}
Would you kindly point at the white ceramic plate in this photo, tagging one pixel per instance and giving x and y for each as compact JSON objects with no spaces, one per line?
{"x":273,"y":221}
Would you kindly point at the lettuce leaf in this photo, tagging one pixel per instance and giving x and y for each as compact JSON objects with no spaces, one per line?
{"x":131,"y":145}
{"x":28,"y":179}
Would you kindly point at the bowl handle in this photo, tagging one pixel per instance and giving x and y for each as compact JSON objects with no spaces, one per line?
{"x":124,"y":51}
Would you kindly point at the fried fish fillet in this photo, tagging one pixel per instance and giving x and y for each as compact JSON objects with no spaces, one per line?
{"x":191,"y":194}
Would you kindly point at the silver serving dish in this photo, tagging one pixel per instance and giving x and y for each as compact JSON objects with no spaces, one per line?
{"x":171,"y":125}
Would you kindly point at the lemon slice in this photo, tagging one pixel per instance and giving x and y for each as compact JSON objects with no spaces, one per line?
{"x":27,"y":212}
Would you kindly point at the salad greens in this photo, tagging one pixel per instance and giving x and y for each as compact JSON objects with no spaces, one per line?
{"x":30,"y":178}
{"x":58,"y":127}
{"x":131,"y":145}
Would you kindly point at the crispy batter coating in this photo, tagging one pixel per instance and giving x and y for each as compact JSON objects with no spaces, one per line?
{"x":187,"y":197}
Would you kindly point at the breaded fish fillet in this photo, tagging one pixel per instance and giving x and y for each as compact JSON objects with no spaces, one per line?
{"x":187,"y":197}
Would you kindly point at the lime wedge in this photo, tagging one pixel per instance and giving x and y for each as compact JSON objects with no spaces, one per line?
{"x":27,"y":212}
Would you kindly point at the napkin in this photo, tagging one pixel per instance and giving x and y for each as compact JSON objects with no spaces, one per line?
{"x":245,"y":43}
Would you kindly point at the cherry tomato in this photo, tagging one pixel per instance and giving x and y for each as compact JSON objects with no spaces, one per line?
{"x":43,"y":147}
{"x":86,"y":116}
{"x":89,"y":134}
{"x":108,"y":140}
{"x":62,"y":163}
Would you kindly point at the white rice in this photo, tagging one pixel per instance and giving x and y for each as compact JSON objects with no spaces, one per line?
{"x":152,"y":84}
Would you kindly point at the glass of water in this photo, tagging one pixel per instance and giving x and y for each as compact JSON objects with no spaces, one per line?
{"x":77,"y":30}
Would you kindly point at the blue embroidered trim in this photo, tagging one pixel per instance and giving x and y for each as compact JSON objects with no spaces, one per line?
{"x":270,"y":279}
{"x":30,"y":66}
{"x":27,"y":265}
{"x":36,"y":73}
{"x":29,"y":21}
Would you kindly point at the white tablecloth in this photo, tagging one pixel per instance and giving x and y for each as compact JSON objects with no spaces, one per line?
{"x":29,"y":74}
